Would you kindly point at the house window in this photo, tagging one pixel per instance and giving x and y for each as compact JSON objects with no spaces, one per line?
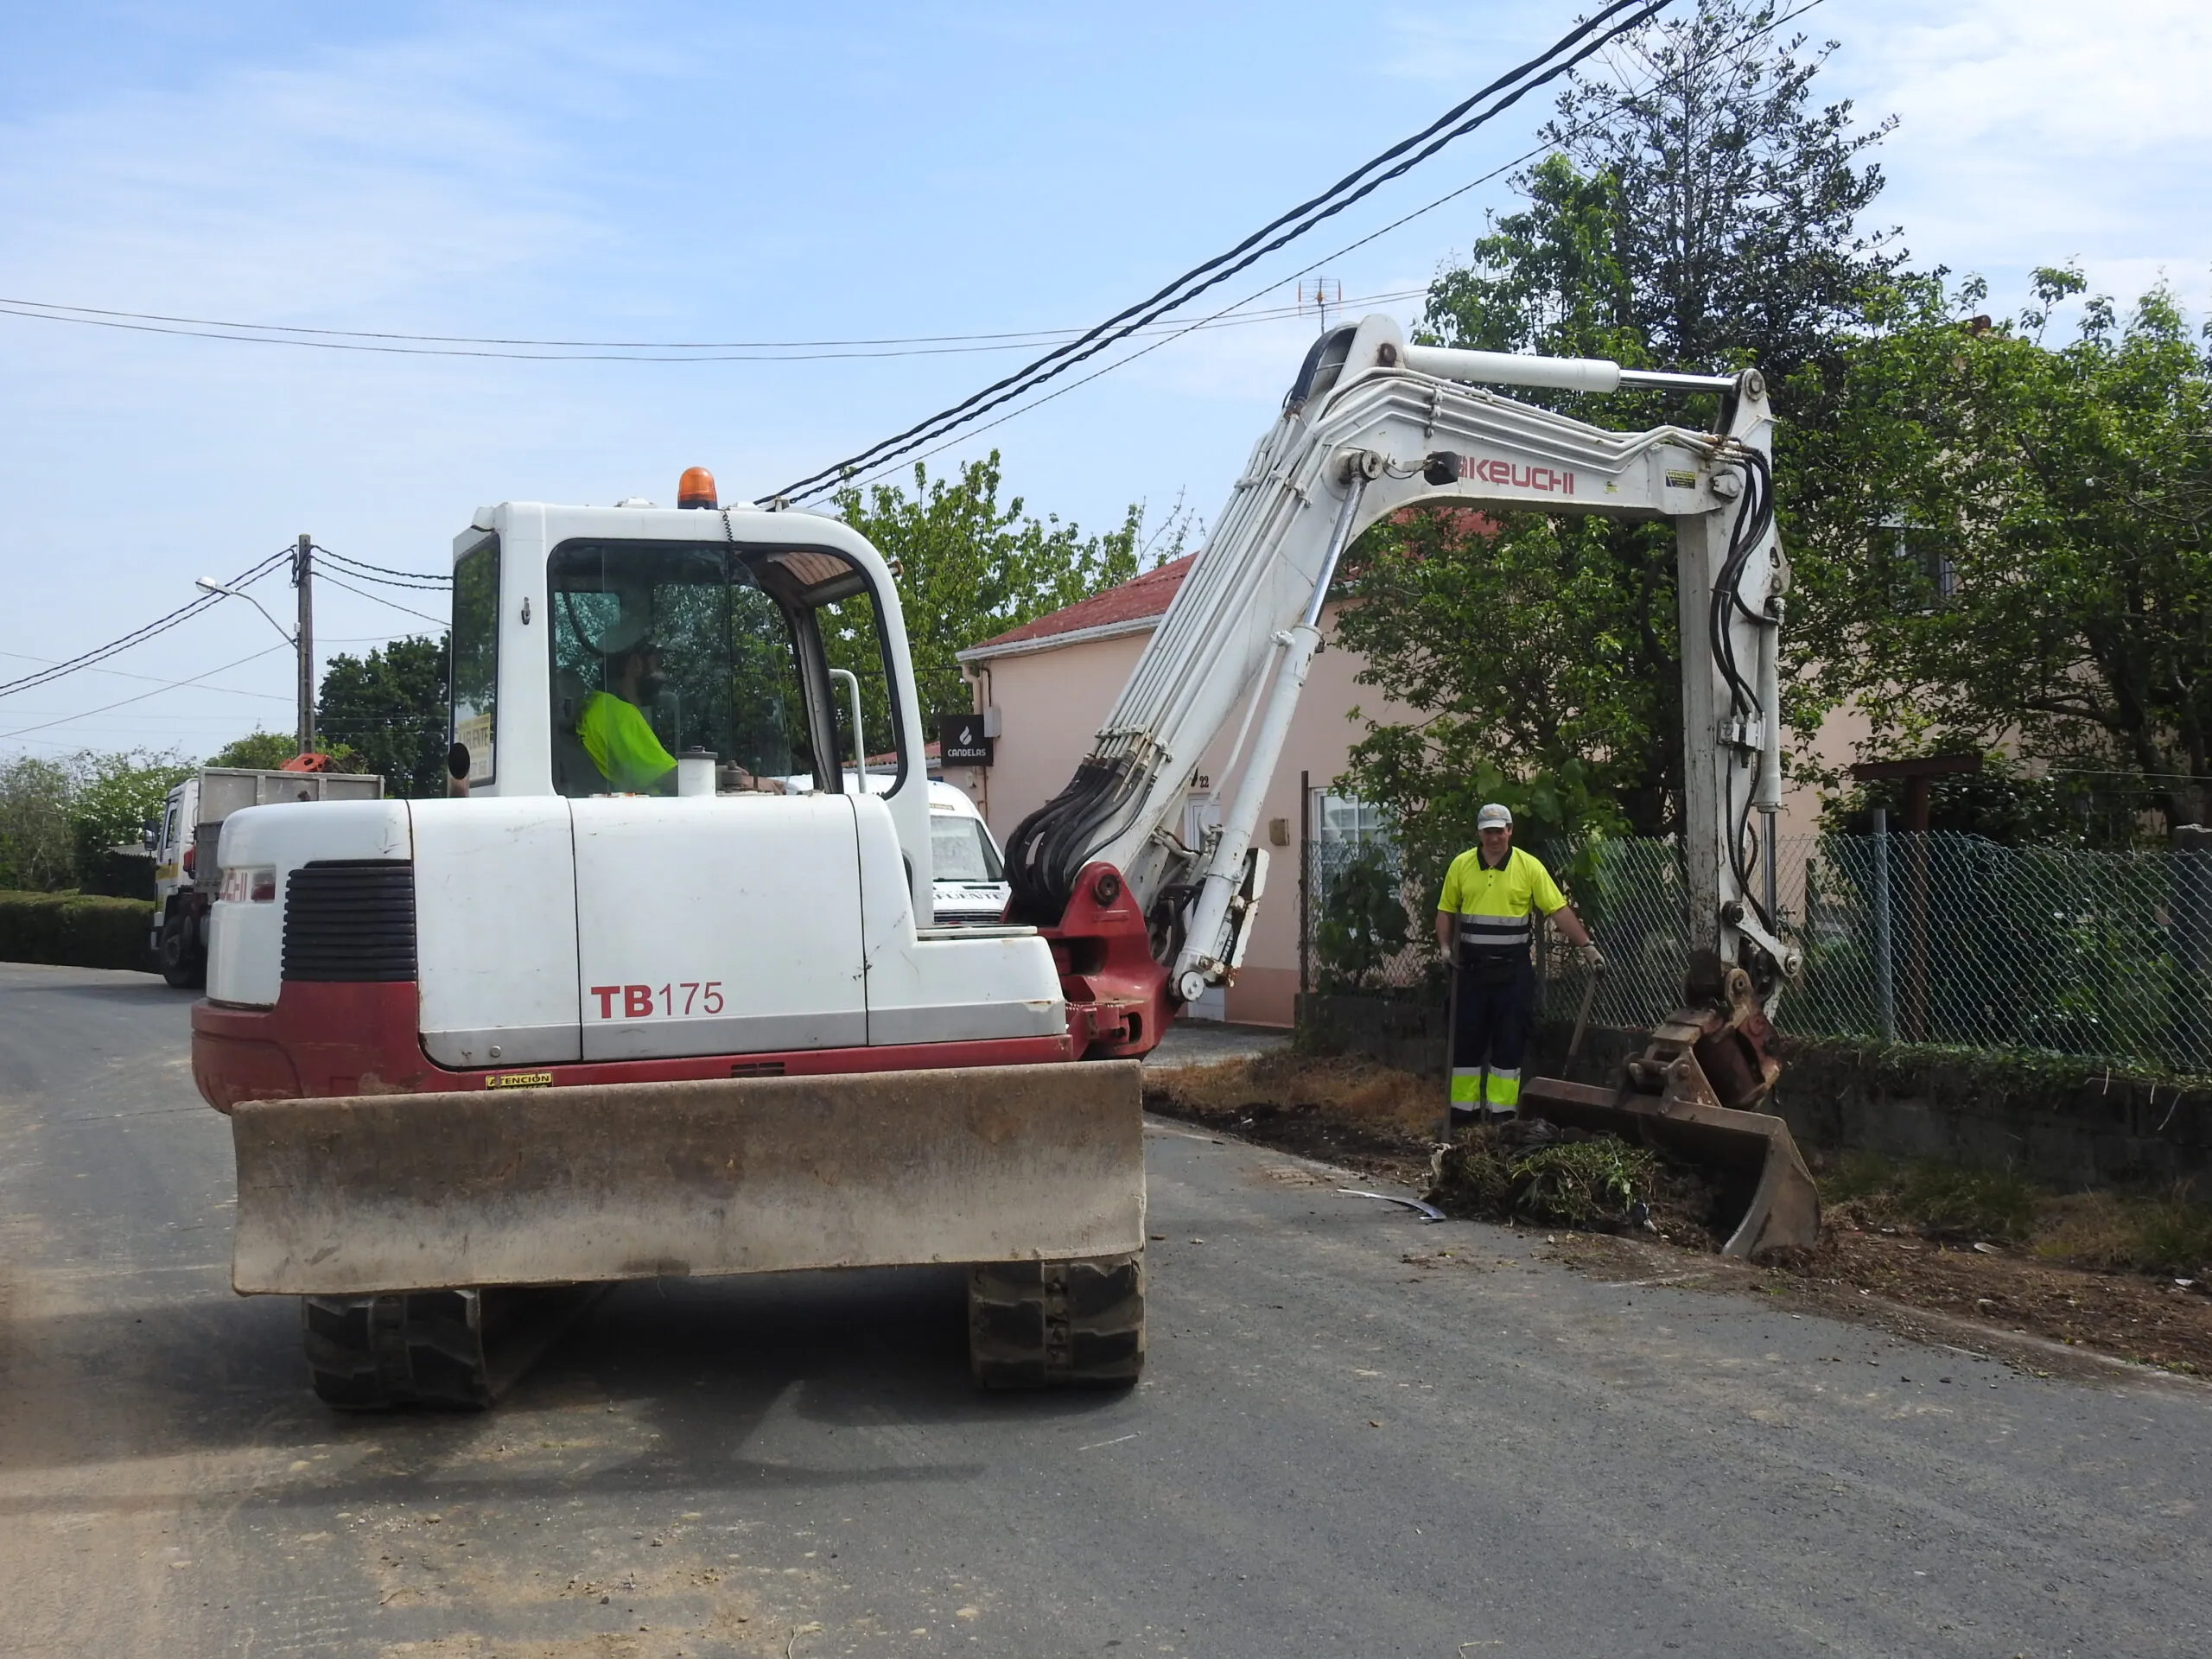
{"x":1914,"y":564}
{"x":1347,"y":821}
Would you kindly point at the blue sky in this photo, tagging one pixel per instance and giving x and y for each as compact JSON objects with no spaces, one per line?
{"x":776,"y":173}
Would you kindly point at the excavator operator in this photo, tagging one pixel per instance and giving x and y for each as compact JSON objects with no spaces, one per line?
{"x":614,"y":729}
{"x":621,"y":742}
{"x":1484,"y":928}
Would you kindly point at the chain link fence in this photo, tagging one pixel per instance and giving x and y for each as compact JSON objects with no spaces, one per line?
{"x":1935,"y":938}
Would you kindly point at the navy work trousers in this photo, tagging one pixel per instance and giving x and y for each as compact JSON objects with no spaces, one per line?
{"x":1495,"y":1006}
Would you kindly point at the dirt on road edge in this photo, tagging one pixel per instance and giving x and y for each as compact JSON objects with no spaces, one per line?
{"x":2048,"y":1317}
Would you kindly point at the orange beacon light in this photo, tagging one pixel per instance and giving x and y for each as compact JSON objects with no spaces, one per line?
{"x":695,"y":488}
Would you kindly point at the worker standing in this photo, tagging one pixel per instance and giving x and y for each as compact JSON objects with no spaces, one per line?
{"x":1485,"y":926}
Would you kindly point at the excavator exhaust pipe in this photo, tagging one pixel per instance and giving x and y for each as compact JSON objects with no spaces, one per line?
{"x":1691,"y":1094}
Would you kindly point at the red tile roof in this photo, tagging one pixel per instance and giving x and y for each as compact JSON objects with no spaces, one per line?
{"x":1139,"y":597}
{"x":1147,"y":596}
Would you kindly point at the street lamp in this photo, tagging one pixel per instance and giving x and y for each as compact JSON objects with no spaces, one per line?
{"x":301,"y":641}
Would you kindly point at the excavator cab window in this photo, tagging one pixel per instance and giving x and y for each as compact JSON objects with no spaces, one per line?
{"x":851,"y":642}
{"x":475,"y":662}
{"x":660,"y":648}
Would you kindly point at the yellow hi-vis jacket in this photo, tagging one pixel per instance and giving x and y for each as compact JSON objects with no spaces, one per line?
{"x":621,"y":745}
{"x":1493,"y":906}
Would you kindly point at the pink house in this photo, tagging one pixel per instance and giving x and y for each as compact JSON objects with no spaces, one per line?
{"x":1045,"y":687}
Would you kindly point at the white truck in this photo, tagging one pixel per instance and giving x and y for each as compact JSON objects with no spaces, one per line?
{"x":183,"y":843}
{"x":609,"y":1017}
{"x":968,"y":884}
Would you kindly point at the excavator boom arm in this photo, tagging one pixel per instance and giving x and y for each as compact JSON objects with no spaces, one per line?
{"x":1372,"y":426}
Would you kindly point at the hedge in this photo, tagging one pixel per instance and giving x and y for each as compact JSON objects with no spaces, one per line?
{"x":76,"y":929}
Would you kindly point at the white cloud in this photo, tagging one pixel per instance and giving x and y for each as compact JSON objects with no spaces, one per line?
{"x":2039,"y":131}
{"x":2097,"y":84}
{"x":276,"y":193}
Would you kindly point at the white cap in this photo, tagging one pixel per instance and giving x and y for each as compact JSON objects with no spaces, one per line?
{"x":1493,"y":816}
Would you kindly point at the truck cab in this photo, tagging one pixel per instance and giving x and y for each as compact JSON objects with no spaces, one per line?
{"x":183,"y":843}
{"x":969,"y":889}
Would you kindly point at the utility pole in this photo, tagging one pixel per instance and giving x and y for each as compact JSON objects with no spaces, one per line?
{"x":303,"y":579}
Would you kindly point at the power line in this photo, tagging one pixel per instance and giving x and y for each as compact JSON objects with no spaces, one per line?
{"x":172,"y":685}
{"x":379,"y":599}
{"x":154,"y":679}
{"x":876,"y":470}
{"x":1507,"y":90}
{"x":263,"y":333}
{"x":421,"y":580}
{"x":1015,"y":336}
{"x":436,"y":578}
{"x":138,"y":636}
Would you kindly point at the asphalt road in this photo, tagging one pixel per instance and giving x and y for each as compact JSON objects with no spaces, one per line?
{"x":1334,"y":1451}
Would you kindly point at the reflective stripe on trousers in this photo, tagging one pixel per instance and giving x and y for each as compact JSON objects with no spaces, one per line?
{"x":1497,"y":1088}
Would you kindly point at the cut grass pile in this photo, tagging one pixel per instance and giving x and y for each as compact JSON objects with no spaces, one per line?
{"x":1524,"y":1172}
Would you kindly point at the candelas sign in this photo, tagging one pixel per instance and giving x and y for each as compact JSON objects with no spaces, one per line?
{"x":1546,"y":479}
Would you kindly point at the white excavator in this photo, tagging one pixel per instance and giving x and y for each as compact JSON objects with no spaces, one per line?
{"x":628,"y":1006}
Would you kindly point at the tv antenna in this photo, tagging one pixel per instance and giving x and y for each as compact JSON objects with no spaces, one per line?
{"x":1321,"y":293}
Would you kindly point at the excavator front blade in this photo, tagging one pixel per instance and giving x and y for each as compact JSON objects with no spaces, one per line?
{"x":1767,"y":1195}
{"x":596,"y":1182}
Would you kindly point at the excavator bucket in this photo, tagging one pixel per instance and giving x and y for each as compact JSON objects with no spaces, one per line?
{"x":1764,"y":1185}
{"x":1690,"y":1095}
{"x":592,"y":1183}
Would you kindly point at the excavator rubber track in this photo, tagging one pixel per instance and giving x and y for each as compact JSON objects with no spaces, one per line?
{"x":1042,"y":1324}
{"x":454,"y":1350}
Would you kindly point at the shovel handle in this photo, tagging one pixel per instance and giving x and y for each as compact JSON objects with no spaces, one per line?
{"x":1450,"y":1029}
{"x":1582,"y":1018}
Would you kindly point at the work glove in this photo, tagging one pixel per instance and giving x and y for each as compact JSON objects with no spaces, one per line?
{"x":1592,"y":958}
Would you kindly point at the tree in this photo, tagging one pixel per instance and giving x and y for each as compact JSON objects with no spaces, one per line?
{"x":1363,"y":924}
{"x":2042,"y":570}
{"x":1735,"y":205}
{"x":257,"y":750}
{"x":969,"y":567}
{"x":265,"y":751}
{"x":388,"y":709}
{"x":34,"y":842}
{"x":1704,"y":218}
{"x":58,"y":816}
{"x":113,"y":797}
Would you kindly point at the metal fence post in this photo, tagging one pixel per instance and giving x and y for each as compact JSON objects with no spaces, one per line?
{"x":1305,"y":883}
{"x":2189,"y":905}
{"x":1885,"y":995}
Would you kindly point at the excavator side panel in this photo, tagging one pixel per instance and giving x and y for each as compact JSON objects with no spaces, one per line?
{"x":536,"y":1186}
